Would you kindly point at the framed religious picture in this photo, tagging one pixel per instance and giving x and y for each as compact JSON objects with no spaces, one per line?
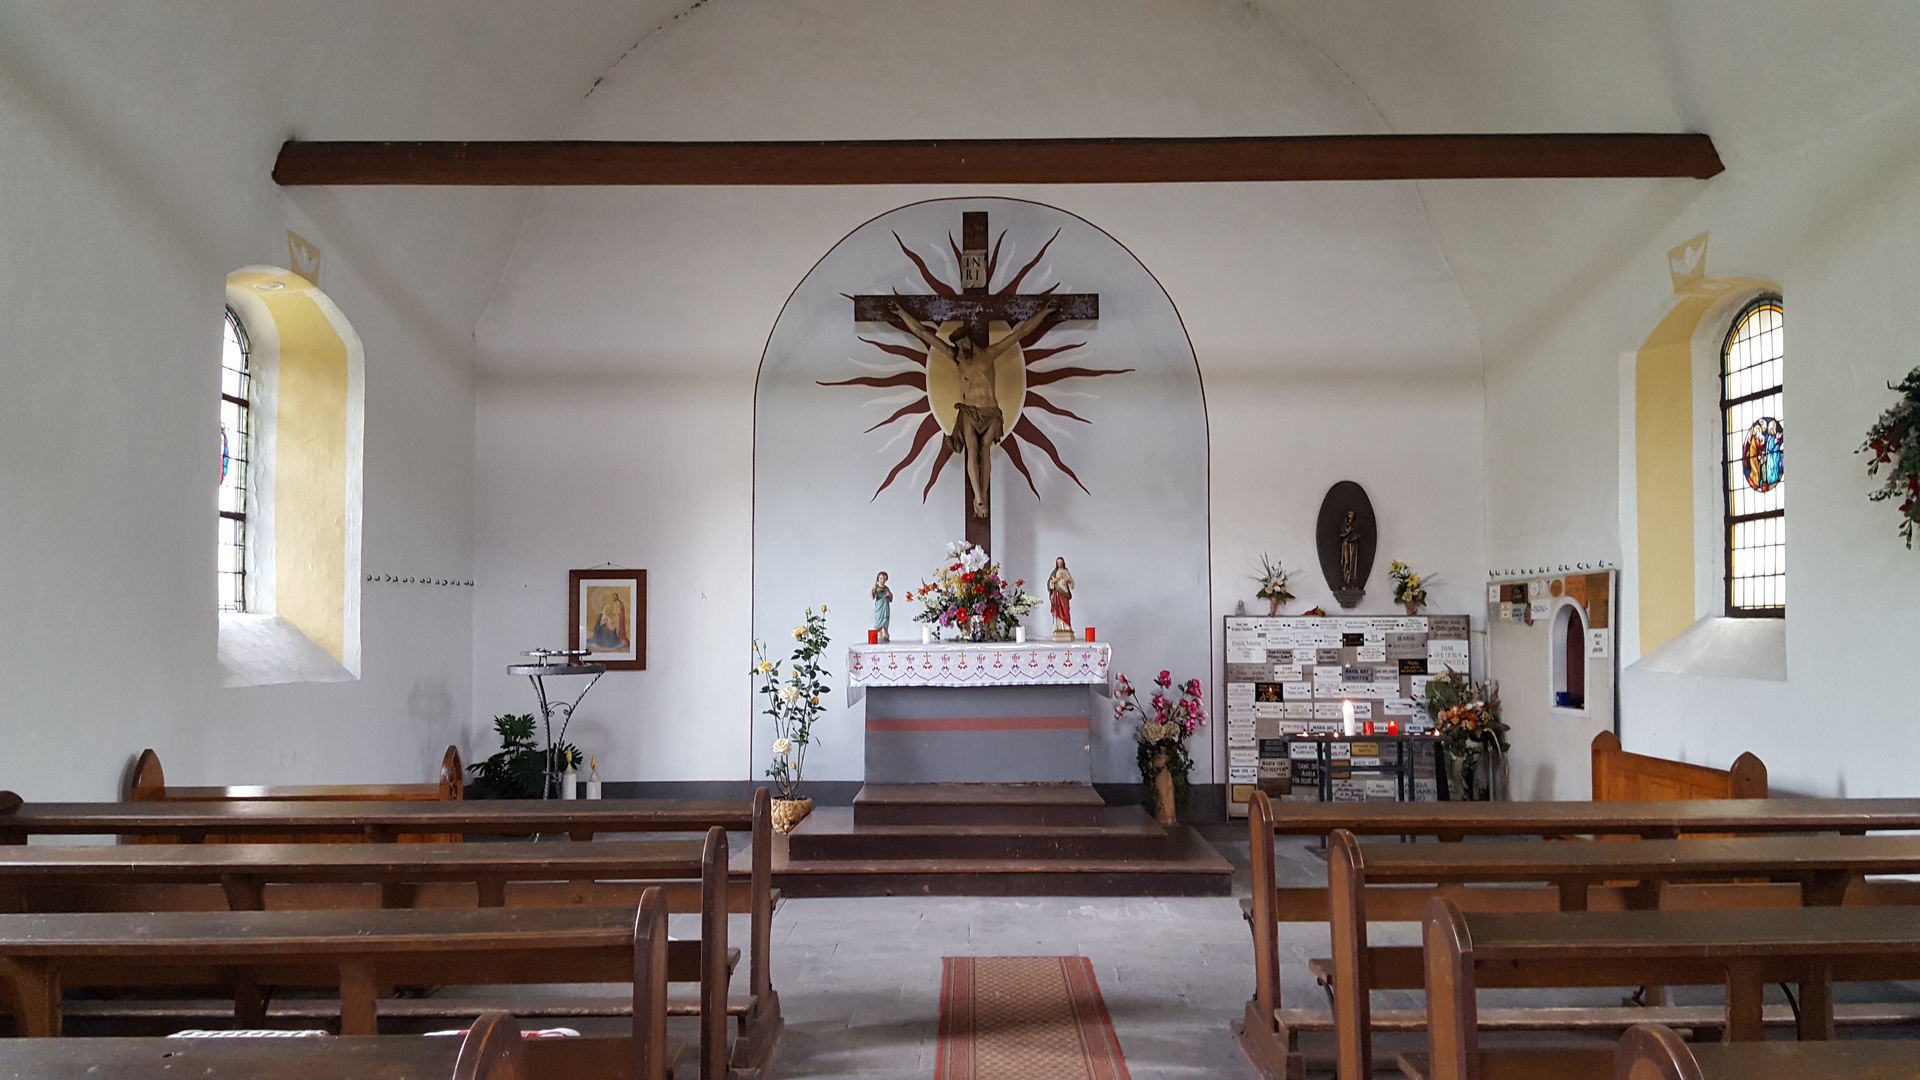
{"x":607,"y":616}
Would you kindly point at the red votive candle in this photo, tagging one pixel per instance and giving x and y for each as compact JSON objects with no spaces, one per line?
{"x":1369,"y":729}
{"x":1089,"y":633}
{"x":1393,"y":727}
{"x":873,"y":637}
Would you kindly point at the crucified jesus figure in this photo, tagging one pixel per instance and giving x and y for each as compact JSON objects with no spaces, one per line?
{"x":977,"y":423}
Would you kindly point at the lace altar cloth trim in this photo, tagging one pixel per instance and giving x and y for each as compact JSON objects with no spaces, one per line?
{"x":1009,"y":664}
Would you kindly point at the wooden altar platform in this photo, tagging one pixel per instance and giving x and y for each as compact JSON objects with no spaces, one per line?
{"x":993,"y":840}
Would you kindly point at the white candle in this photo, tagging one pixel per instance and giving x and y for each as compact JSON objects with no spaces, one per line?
{"x":593,"y":779}
{"x":568,"y":781}
{"x":926,"y":635}
{"x":1346,"y":715}
{"x":1020,"y":634}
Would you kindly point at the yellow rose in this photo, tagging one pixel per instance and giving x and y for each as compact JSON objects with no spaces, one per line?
{"x":766,"y":666}
{"x":799,"y":632}
{"x":781,"y":746}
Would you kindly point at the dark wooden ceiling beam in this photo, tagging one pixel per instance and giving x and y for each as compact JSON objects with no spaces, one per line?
{"x":1000,"y":161}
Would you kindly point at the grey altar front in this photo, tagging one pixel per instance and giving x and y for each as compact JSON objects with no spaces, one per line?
{"x":1000,"y":713}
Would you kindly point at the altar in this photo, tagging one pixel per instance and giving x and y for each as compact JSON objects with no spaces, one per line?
{"x":999,"y":713}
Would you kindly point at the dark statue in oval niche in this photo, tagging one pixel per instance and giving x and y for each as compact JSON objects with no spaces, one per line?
{"x":1346,"y":537}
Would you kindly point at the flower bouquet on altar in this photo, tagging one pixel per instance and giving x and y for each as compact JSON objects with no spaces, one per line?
{"x":1165,"y":726}
{"x":793,"y":700}
{"x":1466,"y":717}
{"x":969,"y":595}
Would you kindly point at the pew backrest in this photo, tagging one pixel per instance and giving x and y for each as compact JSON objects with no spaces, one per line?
{"x":147,"y":782}
{"x":1620,"y":775}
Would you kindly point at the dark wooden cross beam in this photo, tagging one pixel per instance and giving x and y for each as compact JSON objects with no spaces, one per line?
{"x":976,"y":309}
{"x":1003,"y":161}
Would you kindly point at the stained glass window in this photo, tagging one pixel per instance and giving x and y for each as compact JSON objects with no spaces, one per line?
{"x":235,"y":414}
{"x":1752,"y":407}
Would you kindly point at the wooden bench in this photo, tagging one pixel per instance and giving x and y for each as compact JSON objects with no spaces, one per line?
{"x":490,"y":1050}
{"x":1622,"y":776}
{"x":147,"y":783}
{"x":359,"y":952}
{"x":247,"y":876}
{"x":1791,"y":871}
{"x":1656,"y":1052}
{"x":1742,"y":950}
{"x":191,"y":822}
{"x":1272,"y":1048}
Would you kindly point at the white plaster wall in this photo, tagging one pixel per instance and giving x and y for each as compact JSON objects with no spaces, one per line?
{"x":619,"y":352}
{"x":1834,"y":219}
{"x":138,"y":141}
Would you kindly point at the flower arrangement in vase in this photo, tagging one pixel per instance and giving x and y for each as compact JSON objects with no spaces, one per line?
{"x":793,"y":701}
{"x":1894,"y":441}
{"x":1273,"y":584}
{"x":1165,"y":725}
{"x":969,"y":595}
{"x":1409,"y":587}
{"x":1466,"y":717}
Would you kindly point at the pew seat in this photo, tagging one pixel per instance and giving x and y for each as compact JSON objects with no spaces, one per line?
{"x":1654,"y":1052}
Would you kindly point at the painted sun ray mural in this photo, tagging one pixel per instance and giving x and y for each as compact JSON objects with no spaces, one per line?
{"x":932,"y":391}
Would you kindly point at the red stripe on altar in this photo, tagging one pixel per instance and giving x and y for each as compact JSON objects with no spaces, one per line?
{"x":979,"y":723}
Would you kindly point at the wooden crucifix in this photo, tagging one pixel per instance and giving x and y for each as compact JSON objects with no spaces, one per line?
{"x":956,"y":328}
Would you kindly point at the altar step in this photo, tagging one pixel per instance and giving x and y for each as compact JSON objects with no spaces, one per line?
{"x":1121,"y":832}
{"x":978,"y":804}
{"x":991,"y":840}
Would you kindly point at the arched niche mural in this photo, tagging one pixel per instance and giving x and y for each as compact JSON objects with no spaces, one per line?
{"x":1104,"y":460}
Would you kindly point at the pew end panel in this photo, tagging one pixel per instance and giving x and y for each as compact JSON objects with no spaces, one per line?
{"x":1619,"y":775}
{"x":491,"y":1050}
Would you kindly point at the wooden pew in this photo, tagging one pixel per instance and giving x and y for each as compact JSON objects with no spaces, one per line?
{"x":1742,"y":950}
{"x":1272,"y":1047}
{"x":1656,"y":1052}
{"x":358,"y":952}
{"x":1622,"y":776}
{"x":190,"y":822}
{"x":491,"y":1050}
{"x":499,"y":874}
{"x":1792,"y":871}
{"x":147,"y":783}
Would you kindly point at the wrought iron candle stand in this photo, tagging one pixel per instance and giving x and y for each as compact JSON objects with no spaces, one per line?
{"x":548,"y":662}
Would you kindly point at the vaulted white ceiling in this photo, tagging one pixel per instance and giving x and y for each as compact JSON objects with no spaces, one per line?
{"x":195,"y":95}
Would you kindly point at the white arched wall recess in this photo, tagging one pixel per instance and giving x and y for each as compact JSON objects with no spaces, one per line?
{"x":1131,"y":520}
{"x":302,"y":622}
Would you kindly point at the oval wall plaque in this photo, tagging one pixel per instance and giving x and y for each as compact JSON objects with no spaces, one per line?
{"x":1346,"y":537}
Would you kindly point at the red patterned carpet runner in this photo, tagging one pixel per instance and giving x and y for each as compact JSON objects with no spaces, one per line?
{"x":1025,"y":1018}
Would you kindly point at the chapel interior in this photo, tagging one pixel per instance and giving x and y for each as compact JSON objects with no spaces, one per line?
{"x":1030,"y":538}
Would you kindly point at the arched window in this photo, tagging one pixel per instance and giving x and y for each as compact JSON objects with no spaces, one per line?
{"x":1752,"y":409}
{"x":235,"y":424}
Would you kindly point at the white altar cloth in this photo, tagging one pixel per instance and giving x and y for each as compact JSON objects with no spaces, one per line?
{"x":1057,"y":663}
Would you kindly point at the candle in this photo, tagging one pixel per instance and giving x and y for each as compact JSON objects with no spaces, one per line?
{"x":568,"y":780}
{"x":873,"y":637}
{"x":593,"y":778}
{"x":1346,"y":715}
{"x":1089,"y":633}
{"x":1393,"y":727}
{"x":926,"y":635}
{"x":1020,"y":633}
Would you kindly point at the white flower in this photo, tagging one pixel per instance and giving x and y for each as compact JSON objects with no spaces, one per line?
{"x":781,"y":746}
{"x":799,"y":632}
{"x":957,"y":548}
{"x":974,"y":559}
{"x":789,"y":694}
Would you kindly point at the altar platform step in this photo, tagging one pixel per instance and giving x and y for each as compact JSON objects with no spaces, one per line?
{"x":978,"y":804}
{"x":1117,"y":833}
{"x":1187,"y":866}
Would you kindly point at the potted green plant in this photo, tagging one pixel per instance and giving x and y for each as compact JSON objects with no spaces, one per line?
{"x":519,"y":769}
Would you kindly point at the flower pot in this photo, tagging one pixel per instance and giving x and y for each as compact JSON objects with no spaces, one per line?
{"x":789,"y":813}
{"x":1413,"y":609}
{"x":1163,"y":811}
{"x":1273,"y":605}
